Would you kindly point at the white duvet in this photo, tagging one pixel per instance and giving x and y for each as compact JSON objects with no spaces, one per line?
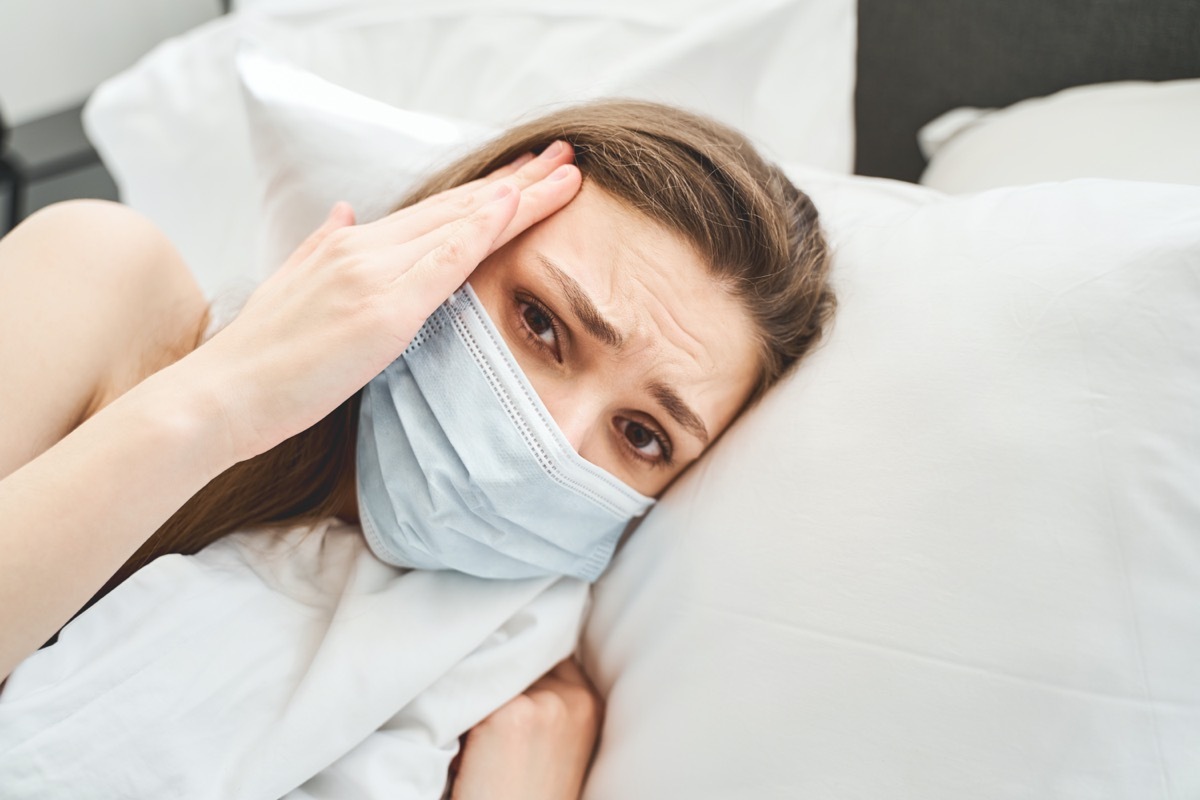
{"x":292,"y":664}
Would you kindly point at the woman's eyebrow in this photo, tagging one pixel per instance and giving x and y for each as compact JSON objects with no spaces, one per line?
{"x":589,"y":316}
{"x":594,"y":323}
{"x":670,"y":400}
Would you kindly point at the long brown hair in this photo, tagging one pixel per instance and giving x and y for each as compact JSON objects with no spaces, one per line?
{"x":757,"y":232}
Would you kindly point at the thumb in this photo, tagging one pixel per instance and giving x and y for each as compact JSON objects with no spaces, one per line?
{"x":340,"y":216}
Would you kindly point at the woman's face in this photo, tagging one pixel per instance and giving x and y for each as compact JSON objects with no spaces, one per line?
{"x":638,"y":354}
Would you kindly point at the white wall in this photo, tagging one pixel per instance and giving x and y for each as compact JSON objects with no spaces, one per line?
{"x":54,"y":52}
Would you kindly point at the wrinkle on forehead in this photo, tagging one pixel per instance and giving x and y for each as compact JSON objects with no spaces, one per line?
{"x":681,"y":325}
{"x":669,"y":327}
{"x":662,"y":276}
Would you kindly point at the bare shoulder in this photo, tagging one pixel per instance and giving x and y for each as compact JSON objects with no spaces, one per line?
{"x":93,"y":298}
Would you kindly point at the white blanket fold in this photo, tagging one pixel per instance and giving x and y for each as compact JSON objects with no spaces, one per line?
{"x":275,"y":663}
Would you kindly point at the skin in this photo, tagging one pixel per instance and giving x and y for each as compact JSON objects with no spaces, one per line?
{"x":535,"y":747}
{"x":678,"y":330}
{"x":129,"y":424}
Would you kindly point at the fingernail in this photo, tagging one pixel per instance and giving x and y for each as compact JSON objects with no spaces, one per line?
{"x":553,"y":150}
{"x":502,"y":191}
{"x":524,"y":158}
{"x":559,"y":173}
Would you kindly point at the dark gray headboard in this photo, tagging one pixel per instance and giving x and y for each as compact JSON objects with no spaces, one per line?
{"x":919,"y":58}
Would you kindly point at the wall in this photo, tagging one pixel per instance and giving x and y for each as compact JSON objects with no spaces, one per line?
{"x":54,"y":52}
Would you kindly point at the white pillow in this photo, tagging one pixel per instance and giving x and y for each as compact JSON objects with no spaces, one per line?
{"x":172,"y":133}
{"x":955,"y":555}
{"x":316,"y":143}
{"x":1133,"y":130}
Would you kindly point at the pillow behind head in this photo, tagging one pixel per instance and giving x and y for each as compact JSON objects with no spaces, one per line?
{"x":316,"y":143}
{"x":956,"y":553}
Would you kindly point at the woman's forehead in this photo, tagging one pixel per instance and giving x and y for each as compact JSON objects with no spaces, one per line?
{"x":648,"y":285}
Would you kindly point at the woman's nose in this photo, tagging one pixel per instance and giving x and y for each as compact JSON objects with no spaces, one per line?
{"x":576,"y":413}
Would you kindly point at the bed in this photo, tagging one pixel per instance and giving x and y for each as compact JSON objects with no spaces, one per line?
{"x":955,"y":554}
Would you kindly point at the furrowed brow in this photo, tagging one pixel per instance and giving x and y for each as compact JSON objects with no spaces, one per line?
{"x":673,"y":404}
{"x":583,"y":307}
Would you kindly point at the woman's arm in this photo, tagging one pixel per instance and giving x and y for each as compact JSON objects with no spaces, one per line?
{"x":341,"y":309}
{"x":88,"y":292}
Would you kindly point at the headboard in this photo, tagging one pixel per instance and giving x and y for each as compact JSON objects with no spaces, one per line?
{"x":920,"y":58}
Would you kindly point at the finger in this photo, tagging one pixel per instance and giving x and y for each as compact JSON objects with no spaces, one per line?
{"x":525,"y":169}
{"x":537,"y":202}
{"x":580,"y":698}
{"x":453,"y":204}
{"x":502,"y":172}
{"x":569,"y":670}
{"x":340,"y":216}
{"x":566,"y":677}
{"x":540,"y":201}
{"x":505,"y":171}
{"x":462,"y":200}
{"x":447,"y":266}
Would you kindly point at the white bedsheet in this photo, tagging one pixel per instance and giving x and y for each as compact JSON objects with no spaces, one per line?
{"x":275,"y":664}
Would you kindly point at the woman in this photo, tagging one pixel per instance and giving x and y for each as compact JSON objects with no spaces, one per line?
{"x":649,"y":273}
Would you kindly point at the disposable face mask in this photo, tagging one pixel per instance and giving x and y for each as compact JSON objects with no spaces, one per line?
{"x":460,"y":466}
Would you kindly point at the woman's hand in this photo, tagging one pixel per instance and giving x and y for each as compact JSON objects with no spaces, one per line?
{"x":349,"y":300}
{"x":537,"y":746}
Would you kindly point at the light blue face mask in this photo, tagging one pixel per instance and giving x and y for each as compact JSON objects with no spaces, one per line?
{"x":460,"y":466}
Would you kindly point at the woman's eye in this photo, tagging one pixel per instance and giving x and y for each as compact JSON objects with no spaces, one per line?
{"x":540,"y":323}
{"x":648,"y":444}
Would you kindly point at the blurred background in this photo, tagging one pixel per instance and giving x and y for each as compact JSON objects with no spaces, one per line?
{"x":53,"y":53}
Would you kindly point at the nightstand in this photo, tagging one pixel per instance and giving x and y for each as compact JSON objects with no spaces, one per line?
{"x":46,"y":160}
